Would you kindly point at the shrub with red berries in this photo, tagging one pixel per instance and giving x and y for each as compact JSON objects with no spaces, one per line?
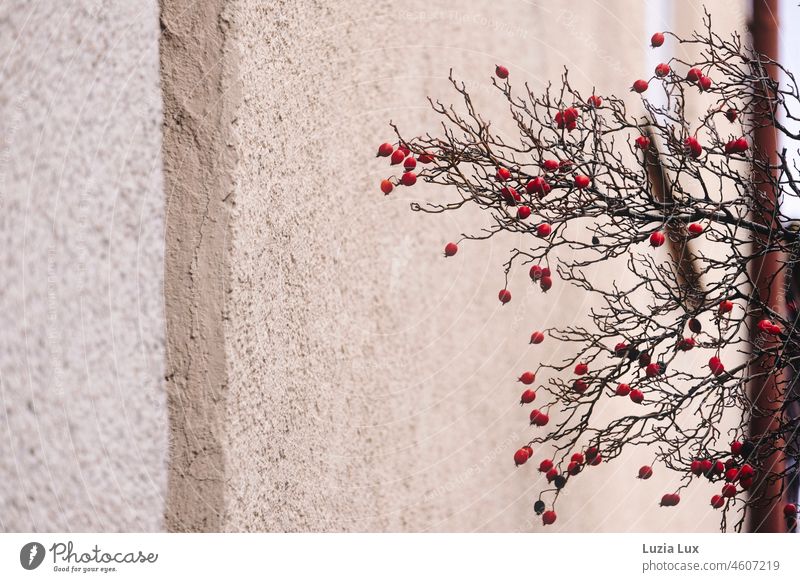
{"x":584,"y":186}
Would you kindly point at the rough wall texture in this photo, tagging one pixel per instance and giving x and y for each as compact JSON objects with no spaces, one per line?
{"x":368,"y":384}
{"x":199,"y":164}
{"x":84,"y":436}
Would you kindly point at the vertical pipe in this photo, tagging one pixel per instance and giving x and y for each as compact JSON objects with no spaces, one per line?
{"x":768,"y":280}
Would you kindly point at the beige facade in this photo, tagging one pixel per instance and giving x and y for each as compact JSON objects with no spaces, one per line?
{"x":326,"y":369}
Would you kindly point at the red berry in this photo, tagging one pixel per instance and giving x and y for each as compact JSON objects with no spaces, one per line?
{"x":537,"y":337}
{"x":537,"y":185}
{"x":520,"y":457}
{"x":644,"y":359}
{"x":582,"y":181}
{"x":510,"y":195}
{"x":546,"y":283}
{"x":539,"y":418}
{"x":543,"y":230}
{"x":695,"y":228}
{"x":580,"y":386}
{"x":764,"y":325}
{"x":693,"y":147}
{"x":404,"y":148}
{"x":790,"y":510}
{"x":662,"y":70}
{"x":731,"y":475}
{"x":695,"y":326}
{"x":694,"y":75}
{"x":728,"y":490}
{"x":596,"y":461}
{"x":425,"y":158}
{"x":551,"y":474}
{"x":731,"y":114}
{"x":545,"y":466}
{"x":642,"y":142}
{"x":657,"y":239}
{"x":450,"y":249}
{"x":736,"y":448}
{"x":715,"y":364}
{"x":385,"y":150}
{"x":581,"y":369}
{"x":645,"y":472}
{"x":717,"y":501}
{"x":523,"y":212}
{"x":504,"y":296}
{"x":746,"y":472}
{"x":409,"y":163}
{"x":696,"y":467}
{"x":408,"y":179}
{"x":640,"y":85}
{"x":652,"y":370}
{"x":725,"y":306}
{"x":577,"y":458}
{"x":741,"y":145}
{"x":591,"y":453}
{"x":386,"y":186}
{"x":774,"y":330}
{"x":686,"y":344}
{"x":670,"y":499}
{"x":623,"y":389}
{"x":657,"y":40}
{"x":706,"y":465}
{"x":637,"y":396}
{"x":527,"y":397}
{"x":549,"y":517}
{"x":718,"y":468}
{"x":550,"y":165}
{"x":397,"y":157}
{"x":745,"y":483}
{"x":527,"y":378}
{"x":705,"y":83}
{"x":535,"y":272}
{"x":620,"y":349}
{"x":573,"y":468}
{"x":545,"y":271}
{"x":501,"y":72}
{"x":503,"y":174}
{"x":595,"y":101}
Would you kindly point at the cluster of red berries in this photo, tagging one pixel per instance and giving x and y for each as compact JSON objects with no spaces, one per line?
{"x":768,"y":327}
{"x":737,"y":146}
{"x":696,"y":76}
{"x":577,"y":462}
{"x":567,"y":118}
{"x":663,"y":69}
{"x":542,"y":276}
{"x":401,"y":155}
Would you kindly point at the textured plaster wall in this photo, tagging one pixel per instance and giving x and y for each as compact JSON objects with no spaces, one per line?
{"x":362,"y":382}
{"x":83,"y":434}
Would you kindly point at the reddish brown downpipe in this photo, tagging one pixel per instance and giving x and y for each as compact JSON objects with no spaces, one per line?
{"x":766,"y":517}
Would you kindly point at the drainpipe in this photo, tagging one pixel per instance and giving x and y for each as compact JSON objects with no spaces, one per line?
{"x":769,"y":283}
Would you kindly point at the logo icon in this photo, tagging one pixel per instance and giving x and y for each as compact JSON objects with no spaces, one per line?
{"x":31,"y":555}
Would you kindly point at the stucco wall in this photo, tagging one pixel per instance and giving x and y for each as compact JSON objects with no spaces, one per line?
{"x":84,"y":437}
{"x":368,"y":384}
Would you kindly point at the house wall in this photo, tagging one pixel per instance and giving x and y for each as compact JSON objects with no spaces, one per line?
{"x":83,"y":443}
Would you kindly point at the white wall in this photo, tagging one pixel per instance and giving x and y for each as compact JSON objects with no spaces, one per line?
{"x":83,"y":432}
